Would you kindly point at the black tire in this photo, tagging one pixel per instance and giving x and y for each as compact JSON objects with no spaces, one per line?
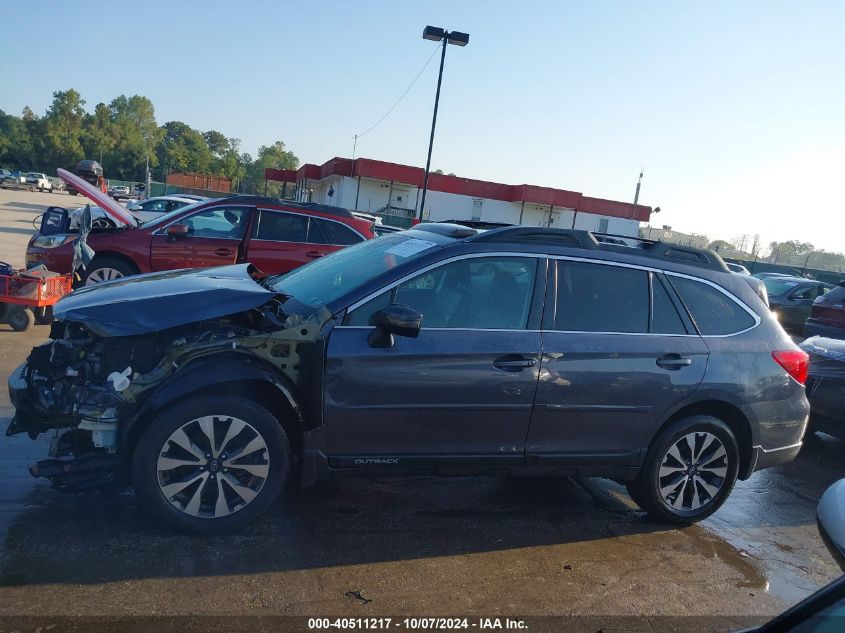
{"x":646,"y":489}
{"x":146,"y":478}
{"x":44,"y":316}
{"x":21,"y":320}
{"x":103,"y":262}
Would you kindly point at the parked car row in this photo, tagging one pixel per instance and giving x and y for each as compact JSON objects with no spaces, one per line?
{"x":33,"y":181}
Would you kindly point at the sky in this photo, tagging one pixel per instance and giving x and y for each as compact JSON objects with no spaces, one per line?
{"x":733,"y":109}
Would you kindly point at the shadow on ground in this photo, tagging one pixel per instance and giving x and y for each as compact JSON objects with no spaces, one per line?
{"x":102,"y":537}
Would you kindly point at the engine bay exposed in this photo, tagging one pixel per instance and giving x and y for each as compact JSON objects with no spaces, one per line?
{"x":84,"y":387}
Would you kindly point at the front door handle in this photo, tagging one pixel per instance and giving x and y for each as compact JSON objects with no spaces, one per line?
{"x":673,"y":361}
{"x":314,"y":254}
{"x":513,"y":362}
{"x":223,"y":252}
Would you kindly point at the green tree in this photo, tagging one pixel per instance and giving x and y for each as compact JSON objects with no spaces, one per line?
{"x":183,"y":149}
{"x":217,"y":143}
{"x":720,"y":245}
{"x":98,"y":134}
{"x":62,"y":129}
{"x":16,"y":146}
{"x":275,"y":156}
{"x":786,"y":252}
{"x":135,"y":135}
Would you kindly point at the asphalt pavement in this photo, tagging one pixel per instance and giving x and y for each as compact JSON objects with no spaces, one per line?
{"x":424,"y":546}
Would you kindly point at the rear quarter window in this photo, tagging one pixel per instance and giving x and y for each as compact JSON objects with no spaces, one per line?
{"x":835,"y":295}
{"x":338,"y":233}
{"x":713,"y":311}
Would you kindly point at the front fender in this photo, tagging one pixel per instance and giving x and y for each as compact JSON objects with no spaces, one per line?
{"x":212,"y":371}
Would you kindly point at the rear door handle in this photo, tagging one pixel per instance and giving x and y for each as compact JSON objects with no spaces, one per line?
{"x":513,"y":363}
{"x":673,"y":361}
{"x":314,"y":254}
{"x":223,"y":252}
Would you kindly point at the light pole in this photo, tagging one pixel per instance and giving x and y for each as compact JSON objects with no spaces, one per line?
{"x":436,"y":34}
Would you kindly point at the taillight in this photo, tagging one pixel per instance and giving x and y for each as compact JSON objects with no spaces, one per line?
{"x":795,"y":362}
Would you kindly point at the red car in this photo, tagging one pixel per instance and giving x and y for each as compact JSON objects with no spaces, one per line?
{"x":272,"y":234}
{"x":827,"y":316}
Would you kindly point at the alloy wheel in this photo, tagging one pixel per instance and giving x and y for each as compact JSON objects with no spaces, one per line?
{"x":103,"y":274}
{"x":692,"y":472}
{"x":213,"y":466}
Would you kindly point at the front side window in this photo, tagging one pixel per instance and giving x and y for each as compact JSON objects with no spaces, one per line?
{"x":155,"y":205}
{"x":601,"y":298}
{"x":282,"y":227}
{"x":474,"y":293}
{"x":807,"y":293}
{"x":713,"y":312}
{"x":218,"y":222}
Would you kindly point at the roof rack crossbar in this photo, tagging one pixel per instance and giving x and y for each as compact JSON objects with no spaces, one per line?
{"x":575,"y":238}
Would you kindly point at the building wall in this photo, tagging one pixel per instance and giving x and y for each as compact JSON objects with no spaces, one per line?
{"x":373,"y":195}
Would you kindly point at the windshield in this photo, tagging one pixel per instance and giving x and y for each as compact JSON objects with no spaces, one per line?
{"x":777,"y":286}
{"x":167,"y":217}
{"x":329,"y":278}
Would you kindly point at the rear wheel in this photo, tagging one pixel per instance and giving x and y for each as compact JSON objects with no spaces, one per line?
{"x":107,"y":269}
{"x":689,"y":471}
{"x":211,"y":464}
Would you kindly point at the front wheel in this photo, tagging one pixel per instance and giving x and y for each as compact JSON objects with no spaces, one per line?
{"x":689,"y":471}
{"x":211,"y":464}
{"x":107,"y":269}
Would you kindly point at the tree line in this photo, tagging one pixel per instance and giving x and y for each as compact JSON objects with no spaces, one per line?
{"x":123,"y":135}
{"x":790,"y":253}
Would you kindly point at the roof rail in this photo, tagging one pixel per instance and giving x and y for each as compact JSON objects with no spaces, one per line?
{"x":446,"y":229}
{"x":304,"y":206}
{"x":575,"y":238}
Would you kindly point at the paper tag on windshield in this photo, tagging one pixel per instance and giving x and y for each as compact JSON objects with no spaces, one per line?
{"x":410,"y":247}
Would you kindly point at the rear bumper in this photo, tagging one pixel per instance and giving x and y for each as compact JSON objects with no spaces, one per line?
{"x":765,"y":458}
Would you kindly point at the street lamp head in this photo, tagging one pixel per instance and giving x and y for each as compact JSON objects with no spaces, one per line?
{"x":436,"y":34}
{"x":433,"y":33}
{"x":458,"y":39}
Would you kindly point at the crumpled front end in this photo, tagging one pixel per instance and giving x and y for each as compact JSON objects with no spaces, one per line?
{"x":86,"y":389}
{"x":73,"y":385}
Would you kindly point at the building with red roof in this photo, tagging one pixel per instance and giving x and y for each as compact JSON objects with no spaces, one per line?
{"x":392,"y":191}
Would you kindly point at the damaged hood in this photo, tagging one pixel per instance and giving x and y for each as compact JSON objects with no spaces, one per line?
{"x":157,"y":301}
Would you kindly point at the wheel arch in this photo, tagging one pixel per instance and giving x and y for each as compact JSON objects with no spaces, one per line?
{"x":105,"y":254}
{"x":731,"y":415}
{"x":244,"y":377}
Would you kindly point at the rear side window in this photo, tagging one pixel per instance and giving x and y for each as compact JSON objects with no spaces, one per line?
{"x":712,"y":310}
{"x":282,"y":227}
{"x":600,"y":298}
{"x":338,"y":233}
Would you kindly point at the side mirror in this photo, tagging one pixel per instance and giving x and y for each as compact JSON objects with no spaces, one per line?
{"x":397,"y":319}
{"x":831,"y":520}
{"x":177,"y":231}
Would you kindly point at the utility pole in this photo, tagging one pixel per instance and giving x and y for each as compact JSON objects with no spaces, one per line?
{"x":637,"y":192}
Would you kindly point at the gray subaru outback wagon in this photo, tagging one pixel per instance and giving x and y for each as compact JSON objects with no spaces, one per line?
{"x":437,"y":350}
